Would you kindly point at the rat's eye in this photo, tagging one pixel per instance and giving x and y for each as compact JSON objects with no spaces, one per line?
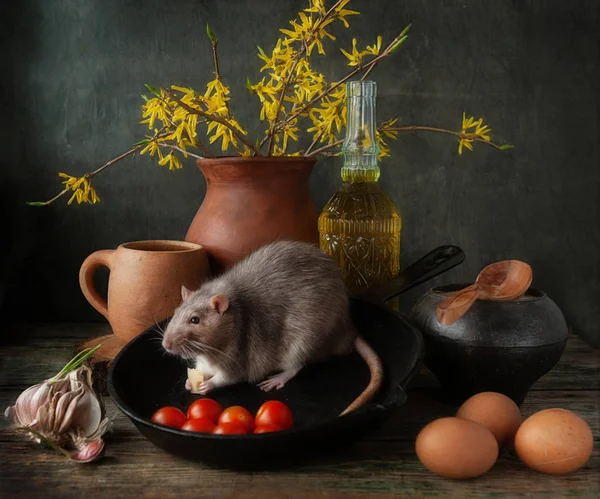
{"x":195,"y":320}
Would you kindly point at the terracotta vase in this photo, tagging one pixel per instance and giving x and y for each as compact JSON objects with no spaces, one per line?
{"x":144,"y":285}
{"x":250,"y":202}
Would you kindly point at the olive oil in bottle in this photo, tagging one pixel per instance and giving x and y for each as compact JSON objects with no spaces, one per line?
{"x":360,"y":225}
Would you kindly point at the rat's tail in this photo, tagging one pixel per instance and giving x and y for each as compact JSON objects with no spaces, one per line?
{"x":376,"y":370}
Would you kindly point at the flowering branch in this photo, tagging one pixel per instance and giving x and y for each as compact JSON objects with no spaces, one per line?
{"x":210,"y":117}
{"x":188,"y":153}
{"x":314,"y":142}
{"x":460,"y":135}
{"x":88,"y":176}
{"x":324,"y":149}
{"x":396,"y":42}
{"x":197,"y":144}
{"x":215,"y":42}
{"x":299,"y":55}
{"x":367,"y":72}
{"x":271,"y":134}
{"x":480,"y":134}
{"x":74,"y":185}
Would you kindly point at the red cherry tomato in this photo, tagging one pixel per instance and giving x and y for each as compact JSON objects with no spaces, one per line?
{"x":237,"y":414}
{"x":205,"y":408}
{"x":267,"y":428}
{"x":230,"y":429}
{"x":169,"y":416}
{"x":200,"y":425}
{"x":275,"y":413}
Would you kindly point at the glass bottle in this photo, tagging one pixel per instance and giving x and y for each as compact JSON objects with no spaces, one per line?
{"x":360,"y":225}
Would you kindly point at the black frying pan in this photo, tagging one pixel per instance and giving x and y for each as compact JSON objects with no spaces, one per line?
{"x":142,"y":378}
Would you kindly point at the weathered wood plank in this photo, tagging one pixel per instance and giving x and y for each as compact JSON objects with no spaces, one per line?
{"x":370,"y":468}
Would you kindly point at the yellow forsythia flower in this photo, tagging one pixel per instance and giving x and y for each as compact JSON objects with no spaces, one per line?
{"x":172,"y":160}
{"x":82,"y":189}
{"x":317,"y":6}
{"x":154,"y":109}
{"x":376,"y":48}
{"x":329,"y":117}
{"x":384,"y":150}
{"x":341,"y":13}
{"x":152,"y":147}
{"x":467,"y":137}
{"x":355,"y":57}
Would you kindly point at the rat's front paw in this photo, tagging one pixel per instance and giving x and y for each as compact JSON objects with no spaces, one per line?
{"x":206,"y":386}
{"x":188,"y":385}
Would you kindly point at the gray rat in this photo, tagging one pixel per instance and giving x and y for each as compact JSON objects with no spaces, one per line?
{"x":281,"y":308}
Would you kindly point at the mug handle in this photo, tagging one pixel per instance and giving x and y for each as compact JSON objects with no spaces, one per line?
{"x":86,"y":278}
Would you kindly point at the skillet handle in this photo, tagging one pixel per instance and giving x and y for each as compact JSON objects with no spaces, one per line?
{"x":434,"y":263}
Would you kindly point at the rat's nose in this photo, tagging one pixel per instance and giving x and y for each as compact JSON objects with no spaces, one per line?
{"x":167,"y":344}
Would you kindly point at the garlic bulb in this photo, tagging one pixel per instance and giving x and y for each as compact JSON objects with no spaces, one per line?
{"x":64,"y":412}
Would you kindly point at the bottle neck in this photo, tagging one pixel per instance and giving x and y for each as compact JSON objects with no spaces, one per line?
{"x":360,"y":148}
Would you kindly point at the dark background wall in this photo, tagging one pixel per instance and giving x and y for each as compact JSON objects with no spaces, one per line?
{"x":73,"y":71}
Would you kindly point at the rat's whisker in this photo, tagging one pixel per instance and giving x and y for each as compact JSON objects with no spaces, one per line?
{"x":186,"y":352}
{"x":147,"y":323}
{"x":200,"y":346}
{"x":195,"y":346}
{"x":189,"y":354}
{"x":158,"y":326}
{"x":164,"y":353}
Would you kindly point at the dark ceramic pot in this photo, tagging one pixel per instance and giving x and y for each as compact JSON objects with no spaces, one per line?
{"x":500,"y":346}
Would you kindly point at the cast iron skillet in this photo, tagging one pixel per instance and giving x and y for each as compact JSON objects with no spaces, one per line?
{"x":143,"y":378}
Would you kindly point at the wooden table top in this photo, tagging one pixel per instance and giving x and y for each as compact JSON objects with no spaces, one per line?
{"x":382,"y":465}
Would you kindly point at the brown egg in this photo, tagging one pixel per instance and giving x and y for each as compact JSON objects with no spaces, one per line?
{"x":554,"y":441}
{"x":496,"y":412}
{"x":456,"y":448}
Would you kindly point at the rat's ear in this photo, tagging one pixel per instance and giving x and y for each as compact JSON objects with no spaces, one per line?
{"x":185,"y":293}
{"x":219,"y":303}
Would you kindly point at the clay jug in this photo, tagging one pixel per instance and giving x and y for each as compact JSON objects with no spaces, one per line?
{"x":144,"y":285}
{"x":250,"y":202}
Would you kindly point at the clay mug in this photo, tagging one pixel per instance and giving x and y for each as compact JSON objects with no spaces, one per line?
{"x":144,"y":285}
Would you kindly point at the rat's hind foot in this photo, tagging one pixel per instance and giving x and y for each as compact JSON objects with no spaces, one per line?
{"x":278,"y":381}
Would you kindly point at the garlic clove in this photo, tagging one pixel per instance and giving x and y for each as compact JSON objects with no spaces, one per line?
{"x":89,"y":408}
{"x":90,"y":451}
{"x":66,"y":408}
{"x":88,"y":414}
{"x":47,"y":413}
{"x":103,"y":427}
{"x":28,"y":402}
{"x":44,"y":420}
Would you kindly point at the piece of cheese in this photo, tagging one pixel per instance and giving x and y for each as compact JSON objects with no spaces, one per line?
{"x":195,"y":377}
